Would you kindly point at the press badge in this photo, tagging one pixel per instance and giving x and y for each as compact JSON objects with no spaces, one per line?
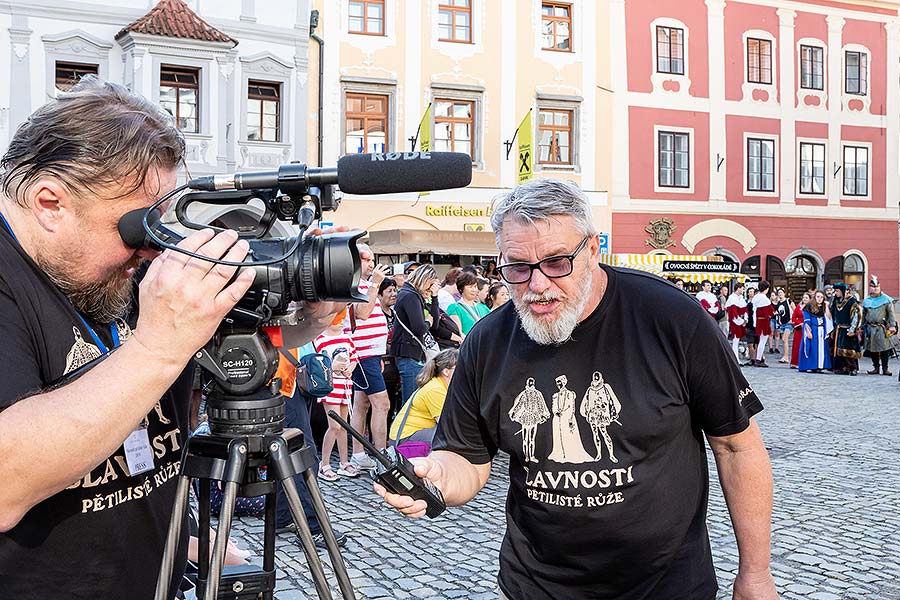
{"x":138,"y":454}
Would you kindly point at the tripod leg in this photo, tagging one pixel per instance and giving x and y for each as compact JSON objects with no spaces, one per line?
{"x":175,"y":523}
{"x":306,"y":538}
{"x":235,"y":468}
{"x":337,"y":561}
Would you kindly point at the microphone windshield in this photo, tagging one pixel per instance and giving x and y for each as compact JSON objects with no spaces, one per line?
{"x":131,"y":228}
{"x":397,"y":172}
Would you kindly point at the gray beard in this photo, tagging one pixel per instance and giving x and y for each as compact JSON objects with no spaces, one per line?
{"x":102,"y":301}
{"x":558,"y":331}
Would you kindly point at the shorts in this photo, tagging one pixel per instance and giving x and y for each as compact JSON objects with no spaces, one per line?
{"x":785,"y":327}
{"x":367,"y":378}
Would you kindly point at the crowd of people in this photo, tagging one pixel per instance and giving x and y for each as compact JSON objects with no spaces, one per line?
{"x":828,"y":330}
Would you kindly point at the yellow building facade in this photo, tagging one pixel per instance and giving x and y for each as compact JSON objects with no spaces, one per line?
{"x":480,"y":66}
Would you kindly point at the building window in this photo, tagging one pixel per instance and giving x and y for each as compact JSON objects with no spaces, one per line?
{"x":454,"y":126}
{"x":759,"y":61}
{"x":674,"y":159}
{"x":856,"y":171}
{"x":856,"y":73}
{"x":366,"y":128}
{"x":367,"y":16}
{"x":68,"y":74}
{"x":554,"y":136}
{"x":760,"y":165}
{"x":179,"y":95}
{"x":811,"y":68}
{"x":812,"y":168}
{"x":455,"y":21}
{"x":556,"y":23}
{"x":669,"y":50}
{"x":263,"y":111}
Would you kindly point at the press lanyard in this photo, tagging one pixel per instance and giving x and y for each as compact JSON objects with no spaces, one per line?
{"x":113,"y":330}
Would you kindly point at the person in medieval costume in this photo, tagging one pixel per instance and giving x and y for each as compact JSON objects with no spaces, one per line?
{"x":763,"y":311}
{"x":847,"y":331}
{"x":529,"y":410}
{"x":601,"y":407}
{"x":880,"y":324}
{"x":736,"y":307}
{"x":567,"y":446}
{"x":797,"y":322}
{"x":709,"y":300}
{"x":814,"y":355}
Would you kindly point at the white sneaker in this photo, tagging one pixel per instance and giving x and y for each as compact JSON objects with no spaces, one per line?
{"x":362,"y":462}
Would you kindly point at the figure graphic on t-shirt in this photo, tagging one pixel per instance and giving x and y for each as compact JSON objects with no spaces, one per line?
{"x":123,"y":329}
{"x":145,"y":422}
{"x":81,"y":353}
{"x":567,"y":447}
{"x":601,"y":408}
{"x":529,"y":410}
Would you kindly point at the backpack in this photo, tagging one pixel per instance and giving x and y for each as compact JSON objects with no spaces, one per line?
{"x":313,"y":373}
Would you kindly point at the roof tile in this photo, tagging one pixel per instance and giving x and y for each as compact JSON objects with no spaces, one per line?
{"x":173,"y":18}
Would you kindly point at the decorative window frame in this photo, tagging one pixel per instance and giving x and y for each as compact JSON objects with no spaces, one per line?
{"x":468,"y":93}
{"x":459,"y":50}
{"x":367,"y":42}
{"x":868,"y":196}
{"x":658,"y":80}
{"x":748,"y":88}
{"x":265,"y":66}
{"x":776,"y":159}
{"x":799,"y":165}
{"x":559,"y":59}
{"x":74,"y":46}
{"x":363,"y":85}
{"x":846,"y":98}
{"x":692,"y":163}
{"x":802,"y":92}
{"x":571,"y":6}
{"x":556,"y":102}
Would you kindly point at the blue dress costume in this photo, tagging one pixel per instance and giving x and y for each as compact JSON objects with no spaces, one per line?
{"x":814,"y":352}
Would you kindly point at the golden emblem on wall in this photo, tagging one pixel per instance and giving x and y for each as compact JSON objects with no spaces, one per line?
{"x":473,"y":227}
{"x":660,"y":230}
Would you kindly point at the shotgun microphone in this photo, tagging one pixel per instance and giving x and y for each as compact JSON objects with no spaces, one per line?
{"x":361,"y":174}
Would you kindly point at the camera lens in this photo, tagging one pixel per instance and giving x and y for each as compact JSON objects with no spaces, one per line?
{"x":327,"y":267}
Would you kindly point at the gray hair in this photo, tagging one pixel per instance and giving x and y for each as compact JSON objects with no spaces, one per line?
{"x":98,"y":134}
{"x":539,"y":200}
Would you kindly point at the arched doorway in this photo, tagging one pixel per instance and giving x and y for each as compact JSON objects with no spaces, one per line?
{"x":834,"y":270}
{"x":802,"y":274}
{"x":775,"y":273}
{"x":855,"y":273}
{"x":750,"y":268}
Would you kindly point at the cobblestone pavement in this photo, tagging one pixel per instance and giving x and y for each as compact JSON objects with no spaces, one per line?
{"x":834,"y":446}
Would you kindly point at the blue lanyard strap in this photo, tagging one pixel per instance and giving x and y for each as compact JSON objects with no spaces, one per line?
{"x":113,"y":330}
{"x":8,"y":228}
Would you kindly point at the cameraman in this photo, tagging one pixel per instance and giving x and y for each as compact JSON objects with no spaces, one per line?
{"x":89,"y":466}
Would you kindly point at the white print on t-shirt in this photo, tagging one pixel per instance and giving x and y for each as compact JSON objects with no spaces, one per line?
{"x":529,"y":410}
{"x":567,"y":447}
{"x":81,"y":353}
{"x":601,"y":407}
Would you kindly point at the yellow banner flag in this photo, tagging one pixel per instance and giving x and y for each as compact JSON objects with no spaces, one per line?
{"x":425,"y":136}
{"x":526,"y":159}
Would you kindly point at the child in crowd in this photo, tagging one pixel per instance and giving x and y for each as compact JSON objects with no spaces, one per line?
{"x":338,"y":346}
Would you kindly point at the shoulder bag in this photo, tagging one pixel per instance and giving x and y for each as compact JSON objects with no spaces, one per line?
{"x":429,"y":346}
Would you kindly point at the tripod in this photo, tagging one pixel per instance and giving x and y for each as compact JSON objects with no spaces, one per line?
{"x":233,"y":460}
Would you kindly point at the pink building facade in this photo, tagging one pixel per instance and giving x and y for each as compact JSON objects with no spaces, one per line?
{"x":763,"y":132}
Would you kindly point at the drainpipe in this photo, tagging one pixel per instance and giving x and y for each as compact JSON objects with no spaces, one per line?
{"x":313,"y":23}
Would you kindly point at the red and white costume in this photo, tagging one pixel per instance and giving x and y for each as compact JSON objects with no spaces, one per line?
{"x":343,"y":386}
{"x":710,"y":302}
{"x":736,"y":307}
{"x":763,"y":311}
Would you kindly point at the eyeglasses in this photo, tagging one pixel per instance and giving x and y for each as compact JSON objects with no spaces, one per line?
{"x":553,"y":267}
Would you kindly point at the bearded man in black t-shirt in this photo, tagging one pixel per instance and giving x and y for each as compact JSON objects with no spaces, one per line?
{"x":628,"y":523}
{"x":89,"y":464}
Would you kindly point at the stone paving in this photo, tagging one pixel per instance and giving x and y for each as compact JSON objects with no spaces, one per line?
{"x":834,"y":446}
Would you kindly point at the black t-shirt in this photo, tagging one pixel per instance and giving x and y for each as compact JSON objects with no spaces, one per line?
{"x":783,"y":312}
{"x":103,"y":536}
{"x":646,"y":374}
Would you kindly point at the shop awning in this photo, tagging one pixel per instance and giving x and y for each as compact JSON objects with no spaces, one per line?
{"x":653,"y":263}
{"x":432,"y":241}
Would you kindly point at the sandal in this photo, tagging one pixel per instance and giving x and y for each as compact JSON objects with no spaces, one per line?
{"x":348,"y":470}
{"x":782,"y":361}
{"x":327,"y":473}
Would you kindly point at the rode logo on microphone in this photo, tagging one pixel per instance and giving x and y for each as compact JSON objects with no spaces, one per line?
{"x":401,"y":156}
